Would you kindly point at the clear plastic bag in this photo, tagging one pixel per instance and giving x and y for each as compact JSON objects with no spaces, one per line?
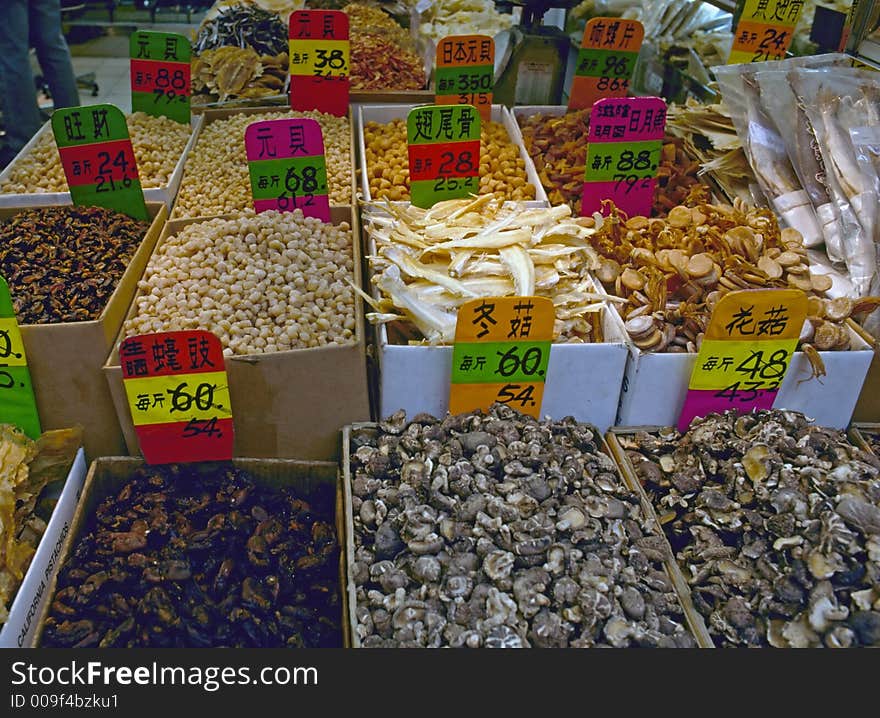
{"x":866,"y":146}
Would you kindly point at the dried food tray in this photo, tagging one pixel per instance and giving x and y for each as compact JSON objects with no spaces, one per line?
{"x":166,"y":193}
{"x":693,"y":619}
{"x":65,"y":358}
{"x":584,"y":380}
{"x":285,"y":404}
{"x":386,"y":113}
{"x":212,"y":115}
{"x":32,"y":596}
{"x":109,"y":474}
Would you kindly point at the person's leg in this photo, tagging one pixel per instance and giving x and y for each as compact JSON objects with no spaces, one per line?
{"x":52,"y":51}
{"x":21,"y":116}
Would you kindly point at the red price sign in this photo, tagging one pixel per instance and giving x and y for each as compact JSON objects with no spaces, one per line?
{"x":178,"y":394}
{"x":98,"y":159}
{"x":319,"y":61}
{"x":160,"y":74}
{"x":623,"y":154}
{"x":606,"y":61}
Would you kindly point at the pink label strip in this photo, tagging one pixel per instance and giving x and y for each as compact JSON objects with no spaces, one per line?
{"x":637,"y":202}
{"x":279,"y":139}
{"x":635,"y":119}
{"x":700,"y":402}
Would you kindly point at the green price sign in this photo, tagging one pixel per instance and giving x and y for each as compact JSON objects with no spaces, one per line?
{"x":17,"y":403}
{"x":160,"y":74}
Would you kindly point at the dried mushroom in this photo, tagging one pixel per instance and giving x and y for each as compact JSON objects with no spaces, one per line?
{"x":62,"y":264}
{"x":775,"y":523}
{"x":202,"y":556}
{"x":501,"y":531}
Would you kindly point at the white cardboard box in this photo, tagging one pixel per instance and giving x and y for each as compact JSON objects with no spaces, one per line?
{"x":655,"y":385}
{"x":166,"y":193}
{"x":33,"y":592}
{"x":387,"y":113}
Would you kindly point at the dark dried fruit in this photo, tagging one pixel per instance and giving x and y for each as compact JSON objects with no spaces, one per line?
{"x":202,"y":556}
{"x":63,"y":263}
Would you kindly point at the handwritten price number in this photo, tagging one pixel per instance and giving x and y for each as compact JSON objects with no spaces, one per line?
{"x":332,"y":60}
{"x":6,"y":379}
{"x":629,"y":161}
{"x":203,"y":399}
{"x":511,"y":363}
{"x":202,"y":426}
{"x":476,"y":100}
{"x":474,"y":83}
{"x":104,"y":179}
{"x":169,"y":85}
{"x":772,"y":39}
{"x":762,"y":375}
{"x":463,"y":164}
{"x":517,"y":394}
{"x":294,"y":182}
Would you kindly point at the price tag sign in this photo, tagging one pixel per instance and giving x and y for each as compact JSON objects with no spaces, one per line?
{"x":98,"y":159}
{"x":444,"y":153}
{"x":765,"y":30}
{"x":745,"y":353}
{"x":17,"y":403}
{"x":287,"y":166}
{"x":465,"y":72}
{"x":606,"y":61}
{"x":623,"y":154}
{"x":160,"y":74}
{"x":178,"y":394}
{"x":319,"y":61}
{"x":501,"y":353}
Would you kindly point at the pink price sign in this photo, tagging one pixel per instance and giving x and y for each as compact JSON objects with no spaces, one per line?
{"x":287,"y":166}
{"x":623,"y":154}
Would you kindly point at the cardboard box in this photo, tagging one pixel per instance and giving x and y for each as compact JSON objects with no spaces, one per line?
{"x":108,"y":475}
{"x":386,"y":113}
{"x":285,"y":404}
{"x":209,"y":116}
{"x":65,"y":359}
{"x":166,"y":193}
{"x":693,"y":619}
{"x":655,"y":385}
{"x":33,"y":594}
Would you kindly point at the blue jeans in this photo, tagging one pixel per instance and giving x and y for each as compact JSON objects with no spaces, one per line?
{"x":37,"y":23}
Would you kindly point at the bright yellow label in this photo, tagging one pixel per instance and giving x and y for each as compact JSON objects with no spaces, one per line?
{"x":759,"y":314}
{"x":11,"y":345}
{"x":320,"y":58}
{"x":173,"y":398}
{"x":722,"y":362}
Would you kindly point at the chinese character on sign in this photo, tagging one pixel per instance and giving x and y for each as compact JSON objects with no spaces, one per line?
{"x":445,"y":128}
{"x":466,"y":363}
{"x":775,"y":322}
{"x":741,"y":322}
{"x":521,"y":324}
{"x":73,"y":127}
{"x":267,"y":146}
{"x":143,"y":44}
{"x":170,"y":48}
{"x":424,"y":121}
{"x":100,"y":123}
{"x":165,"y":354}
{"x":198,"y":353}
{"x":484,"y":314}
{"x":465,"y":120}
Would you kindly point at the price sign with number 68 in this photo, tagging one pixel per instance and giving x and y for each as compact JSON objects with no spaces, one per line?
{"x":178,"y":394}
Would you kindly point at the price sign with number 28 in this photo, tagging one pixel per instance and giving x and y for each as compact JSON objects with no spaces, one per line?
{"x":178,"y":394}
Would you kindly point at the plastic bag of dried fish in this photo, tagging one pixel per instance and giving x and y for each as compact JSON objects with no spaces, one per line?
{"x":27,"y":468}
{"x":775,"y":523}
{"x":835,"y":100}
{"x":866,"y":145}
{"x":427,"y":263}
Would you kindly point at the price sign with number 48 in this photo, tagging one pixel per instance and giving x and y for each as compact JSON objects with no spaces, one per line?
{"x":178,"y":394}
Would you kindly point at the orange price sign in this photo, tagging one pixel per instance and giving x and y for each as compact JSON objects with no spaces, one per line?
{"x":764,"y":31}
{"x":746,"y":352}
{"x":501,"y":353}
{"x":465,"y":72}
{"x":606,"y":60}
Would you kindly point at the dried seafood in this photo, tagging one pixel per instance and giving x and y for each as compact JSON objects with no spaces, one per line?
{"x":230,"y":72}
{"x":497,"y":530}
{"x":774,"y":522}
{"x":202,"y":555}
{"x":556,"y":144}
{"x":429,"y":262}
{"x":26,"y":468}
{"x":243,"y":26}
{"x":672,"y":272}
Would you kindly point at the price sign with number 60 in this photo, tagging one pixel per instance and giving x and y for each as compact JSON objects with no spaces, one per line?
{"x":17,"y":403}
{"x":178,"y":394}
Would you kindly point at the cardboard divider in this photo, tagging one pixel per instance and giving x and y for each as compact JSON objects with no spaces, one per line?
{"x":65,"y":358}
{"x":693,"y":619}
{"x":627,"y":470}
{"x":213,"y":115}
{"x":165,"y":194}
{"x":109,"y":475}
{"x":32,"y":597}
{"x":386,"y":113}
{"x":285,"y":404}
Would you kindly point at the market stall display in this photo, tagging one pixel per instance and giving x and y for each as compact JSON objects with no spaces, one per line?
{"x":206,"y":555}
{"x":530,"y":539}
{"x":216,"y":179}
{"x":775,"y":523}
{"x":36,"y":176}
